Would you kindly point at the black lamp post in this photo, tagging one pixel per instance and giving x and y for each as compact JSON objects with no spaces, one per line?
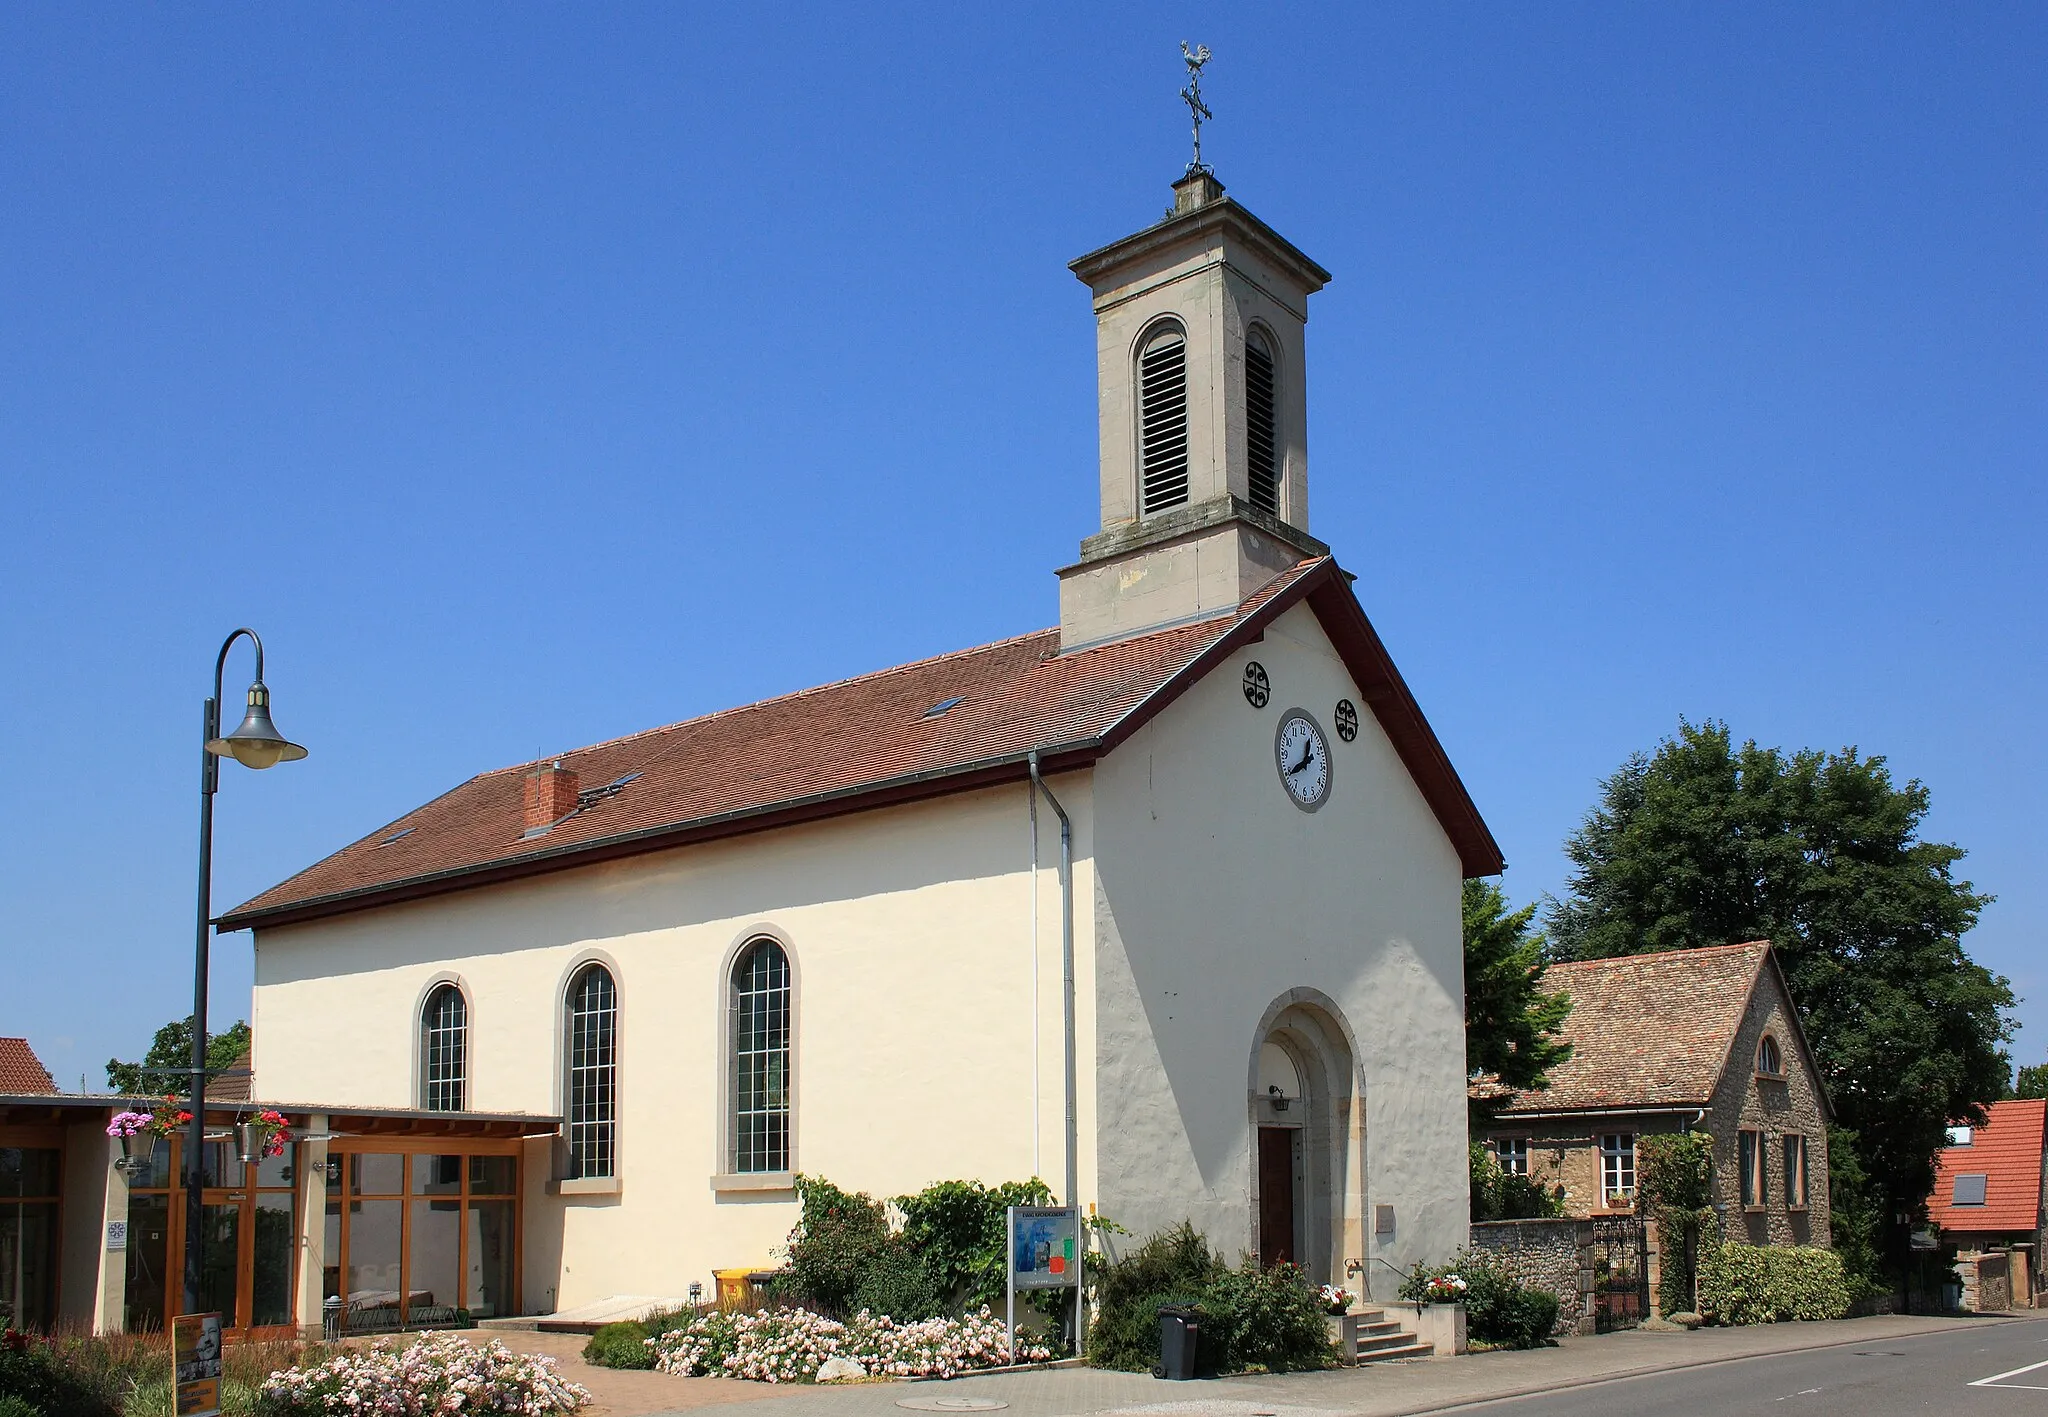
{"x":256,"y":744}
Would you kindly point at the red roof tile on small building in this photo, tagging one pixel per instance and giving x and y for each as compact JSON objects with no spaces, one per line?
{"x":863,"y":742}
{"x":21,"y":1071}
{"x":1650,"y":1030}
{"x":2007,"y":1151}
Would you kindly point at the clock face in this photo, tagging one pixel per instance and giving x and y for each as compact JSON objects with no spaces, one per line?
{"x":1302,"y":755}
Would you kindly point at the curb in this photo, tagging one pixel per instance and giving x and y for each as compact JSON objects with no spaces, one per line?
{"x":1565,"y":1384}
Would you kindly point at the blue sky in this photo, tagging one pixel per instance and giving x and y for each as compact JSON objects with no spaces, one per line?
{"x":532,"y":375}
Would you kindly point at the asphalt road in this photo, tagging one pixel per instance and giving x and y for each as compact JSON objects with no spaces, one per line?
{"x":1965,"y":1372}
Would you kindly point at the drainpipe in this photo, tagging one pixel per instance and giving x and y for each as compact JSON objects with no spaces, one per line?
{"x":1037,"y":1091}
{"x":1072,"y":1194}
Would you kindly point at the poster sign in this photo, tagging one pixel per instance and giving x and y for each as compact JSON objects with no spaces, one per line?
{"x":1044,"y":1249}
{"x":195,"y":1349}
{"x":117,"y":1234}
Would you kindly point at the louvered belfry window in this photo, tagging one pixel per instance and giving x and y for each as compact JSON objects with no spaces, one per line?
{"x":444,"y":1050}
{"x":1262,"y":453}
{"x":1163,"y":420}
{"x":593,"y":1026}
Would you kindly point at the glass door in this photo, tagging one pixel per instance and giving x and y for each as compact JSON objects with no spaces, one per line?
{"x":28,"y":1237}
{"x":246,"y":1270}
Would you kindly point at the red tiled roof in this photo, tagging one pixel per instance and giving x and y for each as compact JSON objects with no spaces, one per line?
{"x":862,"y":742}
{"x":1648,"y":1030}
{"x":21,"y":1071}
{"x":2007,"y":1151}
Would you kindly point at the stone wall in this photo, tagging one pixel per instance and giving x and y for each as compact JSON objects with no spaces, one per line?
{"x":1546,"y":1254}
{"x":1987,"y":1283}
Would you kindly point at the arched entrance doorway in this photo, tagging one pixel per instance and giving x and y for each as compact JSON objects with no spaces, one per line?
{"x":1307,"y":1137}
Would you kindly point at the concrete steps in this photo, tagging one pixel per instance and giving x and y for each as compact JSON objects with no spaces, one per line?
{"x":1381,"y":1339}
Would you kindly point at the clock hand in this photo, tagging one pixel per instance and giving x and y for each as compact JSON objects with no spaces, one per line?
{"x":1308,"y":755}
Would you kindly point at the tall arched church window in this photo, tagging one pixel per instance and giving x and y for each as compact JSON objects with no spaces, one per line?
{"x":444,"y":1050}
{"x":1261,"y":440}
{"x":593,"y":1082}
{"x":1163,"y":419}
{"x":760,"y":1033}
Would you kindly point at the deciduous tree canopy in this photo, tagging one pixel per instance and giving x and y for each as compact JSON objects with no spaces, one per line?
{"x":1705,"y":843}
{"x":1510,"y":1024}
{"x":170,"y":1050}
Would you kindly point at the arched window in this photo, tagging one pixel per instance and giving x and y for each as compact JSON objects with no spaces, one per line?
{"x":1769,"y":1062}
{"x":1163,"y":419}
{"x":593,"y":1083}
{"x":760,"y":1059}
{"x":1261,"y":443}
{"x":444,"y":1050}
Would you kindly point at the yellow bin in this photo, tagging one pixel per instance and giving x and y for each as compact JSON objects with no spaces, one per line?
{"x":736,"y":1287}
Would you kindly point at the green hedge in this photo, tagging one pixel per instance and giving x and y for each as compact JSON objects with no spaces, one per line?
{"x":1761,"y":1284}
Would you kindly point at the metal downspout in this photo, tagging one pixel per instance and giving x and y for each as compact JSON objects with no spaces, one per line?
{"x":1073,"y":1179}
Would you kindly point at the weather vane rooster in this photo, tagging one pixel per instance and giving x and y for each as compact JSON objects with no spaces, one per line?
{"x":1192,"y":96}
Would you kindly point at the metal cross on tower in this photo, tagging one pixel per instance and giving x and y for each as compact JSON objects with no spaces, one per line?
{"x":1192,"y":96}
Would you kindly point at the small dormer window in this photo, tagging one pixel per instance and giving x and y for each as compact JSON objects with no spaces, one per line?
{"x":1770,"y":1063}
{"x":1163,"y":419}
{"x":1262,"y":457}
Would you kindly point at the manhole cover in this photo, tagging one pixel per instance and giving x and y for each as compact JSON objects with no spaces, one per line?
{"x":951,"y":1404}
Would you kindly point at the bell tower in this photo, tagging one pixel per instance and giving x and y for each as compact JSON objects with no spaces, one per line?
{"x":1199,"y":340}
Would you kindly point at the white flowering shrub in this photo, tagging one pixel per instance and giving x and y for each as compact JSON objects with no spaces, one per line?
{"x":435,"y":1376}
{"x":789,"y":1346}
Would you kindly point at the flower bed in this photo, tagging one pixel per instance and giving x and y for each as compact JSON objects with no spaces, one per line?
{"x":790,"y":1345}
{"x":435,"y":1375}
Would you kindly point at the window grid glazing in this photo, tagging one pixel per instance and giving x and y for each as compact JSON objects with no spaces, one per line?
{"x":444,"y":1050}
{"x":593,"y":1024}
{"x":760,"y":1061}
{"x":1618,"y":1164}
{"x":1514,"y":1156}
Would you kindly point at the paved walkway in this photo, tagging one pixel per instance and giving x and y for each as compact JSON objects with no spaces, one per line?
{"x":1376,"y":1390}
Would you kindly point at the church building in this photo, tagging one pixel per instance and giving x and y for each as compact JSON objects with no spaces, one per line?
{"x":1161,"y":904}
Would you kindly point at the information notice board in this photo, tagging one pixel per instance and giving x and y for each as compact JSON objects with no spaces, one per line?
{"x":1044,"y":1253}
{"x":195,"y":1350}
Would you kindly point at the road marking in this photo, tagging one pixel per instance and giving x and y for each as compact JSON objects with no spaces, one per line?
{"x":1999,"y":1379}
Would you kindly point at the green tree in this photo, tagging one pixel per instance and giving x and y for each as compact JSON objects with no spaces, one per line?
{"x":172,"y":1048}
{"x":2032,"y":1082}
{"x":1706,"y":842}
{"x":1511,"y":1025}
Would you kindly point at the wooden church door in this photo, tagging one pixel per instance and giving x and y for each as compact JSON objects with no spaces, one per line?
{"x":1276,"y":1195}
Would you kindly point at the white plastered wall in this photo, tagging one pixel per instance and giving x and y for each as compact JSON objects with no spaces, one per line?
{"x":910,"y":933}
{"x":1217,"y":896}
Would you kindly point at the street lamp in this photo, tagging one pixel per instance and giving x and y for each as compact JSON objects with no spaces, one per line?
{"x":255,"y":744}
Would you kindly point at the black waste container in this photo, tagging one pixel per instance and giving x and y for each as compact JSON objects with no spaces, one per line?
{"x":1180,"y":1335}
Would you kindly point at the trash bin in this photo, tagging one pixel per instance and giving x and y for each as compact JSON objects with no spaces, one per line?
{"x":1180,"y":1335}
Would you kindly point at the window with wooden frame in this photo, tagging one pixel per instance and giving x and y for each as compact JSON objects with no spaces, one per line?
{"x":1163,"y":419}
{"x":593,"y":1074}
{"x":1750,"y":1166}
{"x":415,"y":1236}
{"x":444,"y":1050}
{"x":1795,"y":1171}
{"x":1618,"y":1167}
{"x":1770,"y":1062}
{"x":761,"y":999}
{"x":1513,"y":1154}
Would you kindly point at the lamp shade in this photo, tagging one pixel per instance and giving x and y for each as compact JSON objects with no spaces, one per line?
{"x":257,"y":743}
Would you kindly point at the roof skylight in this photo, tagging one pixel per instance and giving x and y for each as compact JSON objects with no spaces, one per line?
{"x":944,"y":704}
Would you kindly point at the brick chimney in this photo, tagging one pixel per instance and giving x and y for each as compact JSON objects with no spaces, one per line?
{"x":550,"y":796}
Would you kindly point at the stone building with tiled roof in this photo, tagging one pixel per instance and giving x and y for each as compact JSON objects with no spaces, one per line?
{"x":1703,"y":1040}
{"x":1161,"y":904}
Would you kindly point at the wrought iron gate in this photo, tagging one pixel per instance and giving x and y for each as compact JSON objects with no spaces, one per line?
{"x":1621,"y":1274}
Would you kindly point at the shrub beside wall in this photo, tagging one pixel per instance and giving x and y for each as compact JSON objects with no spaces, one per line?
{"x":1249,"y":1317}
{"x":1753,"y":1284}
{"x":1499,"y":1308}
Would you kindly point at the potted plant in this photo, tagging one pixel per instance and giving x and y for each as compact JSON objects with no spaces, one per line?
{"x":139,"y":1132}
{"x":1445,"y":1289}
{"x":262,"y":1137}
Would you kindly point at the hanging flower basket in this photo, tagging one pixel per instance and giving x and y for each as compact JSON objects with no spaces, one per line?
{"x":137,"y":1135}
{"x":261,"y":1137}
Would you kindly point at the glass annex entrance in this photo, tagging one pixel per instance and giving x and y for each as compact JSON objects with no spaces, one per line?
{"x":248,"y":1276}
{"x":29,"y":1191}
{"x":420,"y":1233}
